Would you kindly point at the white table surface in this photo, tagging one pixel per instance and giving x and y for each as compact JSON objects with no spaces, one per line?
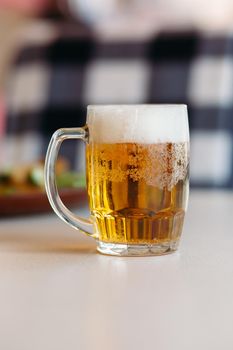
{"x":57,"y":293}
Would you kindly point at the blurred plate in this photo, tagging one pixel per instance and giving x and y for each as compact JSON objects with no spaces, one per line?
{"x":37,"y":202}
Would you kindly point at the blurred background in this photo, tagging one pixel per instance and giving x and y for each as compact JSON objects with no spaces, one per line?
{"x":57,"y":56}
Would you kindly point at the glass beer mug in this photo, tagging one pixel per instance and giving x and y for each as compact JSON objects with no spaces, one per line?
{"x":137,"y":170}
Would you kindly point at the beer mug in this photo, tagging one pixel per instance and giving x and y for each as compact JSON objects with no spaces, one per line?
{"x":137,"y":171}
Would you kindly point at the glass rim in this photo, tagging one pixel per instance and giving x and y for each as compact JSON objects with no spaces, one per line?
{"x":135,"y":106}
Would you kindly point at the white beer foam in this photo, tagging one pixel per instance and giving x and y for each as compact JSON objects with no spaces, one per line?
{"x":138,"y":123}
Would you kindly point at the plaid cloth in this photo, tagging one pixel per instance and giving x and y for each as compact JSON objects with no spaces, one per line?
{"x":52,"y":82}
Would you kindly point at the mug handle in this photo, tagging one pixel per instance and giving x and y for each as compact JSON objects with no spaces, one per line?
{"x":77,"y":222}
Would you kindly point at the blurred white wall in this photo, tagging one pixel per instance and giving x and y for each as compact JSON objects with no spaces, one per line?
{"x":140,"y":18}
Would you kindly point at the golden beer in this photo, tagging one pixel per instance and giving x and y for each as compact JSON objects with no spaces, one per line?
{"x":137,"y":169}
{"x":138,"y":192}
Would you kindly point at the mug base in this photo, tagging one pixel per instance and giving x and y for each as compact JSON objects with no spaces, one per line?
{"x":121,"y":249}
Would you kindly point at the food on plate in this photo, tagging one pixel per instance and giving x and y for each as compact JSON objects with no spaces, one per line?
{"x":30,"y":178}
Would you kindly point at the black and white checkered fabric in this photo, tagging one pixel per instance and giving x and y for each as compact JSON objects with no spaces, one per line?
{"x":52,"y":82}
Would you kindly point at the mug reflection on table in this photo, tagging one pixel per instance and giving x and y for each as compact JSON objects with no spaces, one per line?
{"x":137,"y":177}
